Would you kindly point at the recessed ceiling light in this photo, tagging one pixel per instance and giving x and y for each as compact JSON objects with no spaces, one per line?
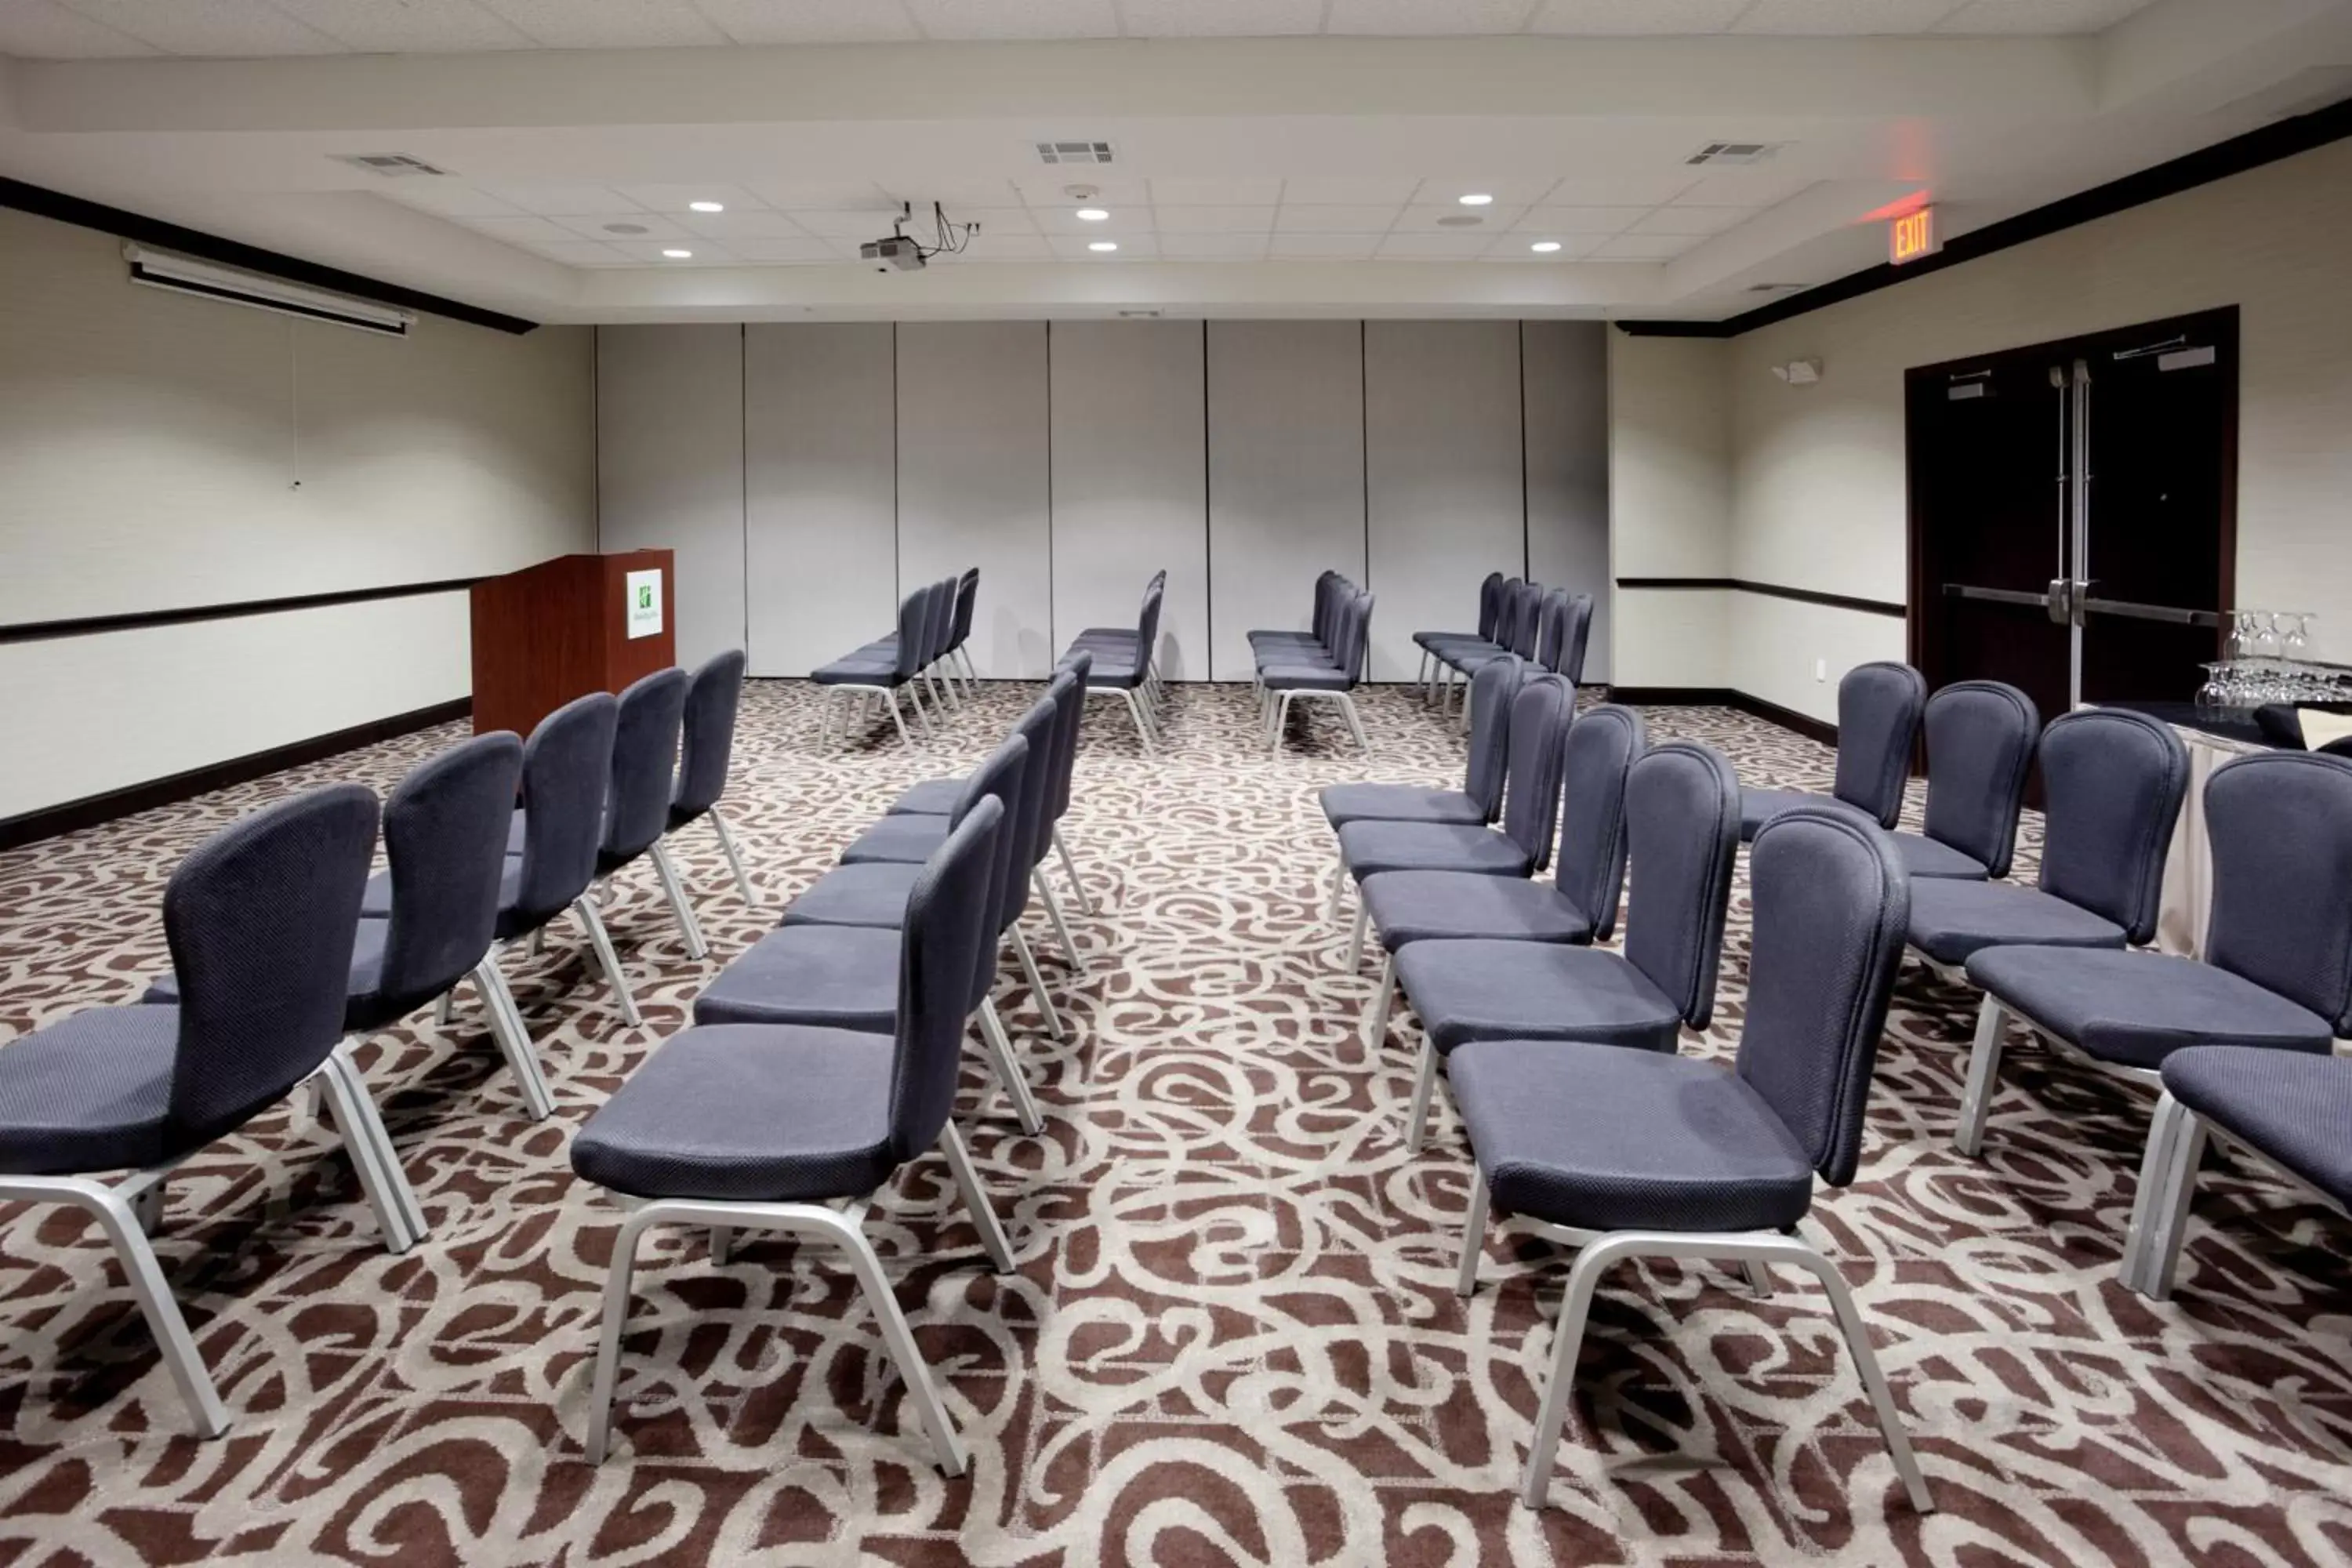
{"x":679,"y":255}
{"x":1476,"y":199}
{"x":1544,"y":247}
{"x":1103,"y":245}
{"x":1093,"y":214}
{"x":706,"y":206}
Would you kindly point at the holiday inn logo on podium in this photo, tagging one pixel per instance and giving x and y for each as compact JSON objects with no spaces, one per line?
{"x":644,"y":603}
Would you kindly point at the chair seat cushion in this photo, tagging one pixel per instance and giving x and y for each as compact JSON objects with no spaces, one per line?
{"x":1304,"y":678}
{"x":854,"y":670}
{"x":839,"y":977}
{"x":1371,"y":847}
{"x":1601,"y":1138}
{"x":1950,"y":920}
{"x":1489,"y":990}
{"x":1471,"y":658}
{"x":1425,"y":906}
{"x":1346,"y":803}
{"x":1113,"y":675}
{"x":906,"y":837}
{"x":932,"y":797}
{"x":2295,"y":1108}
{"x":871,"y":893}
{"x":1433,"y":641}
{"x":2138,"y":1008}
{"x":1284,"y":640}
{"x":91,"y":1092}
{"x":1758,"y":807}
{"x":1925,"y":856}
{"x":1106,"y":636}
{"x":748,"y":1113}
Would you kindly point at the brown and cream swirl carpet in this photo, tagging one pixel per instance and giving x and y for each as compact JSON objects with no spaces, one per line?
{"x":1231,"y":1336}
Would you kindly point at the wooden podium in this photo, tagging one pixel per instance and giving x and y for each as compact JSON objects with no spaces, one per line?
{"x":563,"y":628}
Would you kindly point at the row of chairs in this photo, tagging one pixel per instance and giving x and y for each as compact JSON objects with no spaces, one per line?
{"x":1324,"y":662}
{"x":927,"y":648}
{"x":1549,"y":627}
{"x":285,"y":952}
{"x":825,"y":1056}
{"x":1126,"y":662}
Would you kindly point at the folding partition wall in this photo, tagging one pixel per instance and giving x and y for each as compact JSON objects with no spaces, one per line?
{"x":807,"y":473}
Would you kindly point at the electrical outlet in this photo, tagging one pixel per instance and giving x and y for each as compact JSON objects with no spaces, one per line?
{"x":1820,"y":669}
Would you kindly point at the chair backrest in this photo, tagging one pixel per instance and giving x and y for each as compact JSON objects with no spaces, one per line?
{"x":2111,"y":782}
{"x":261,"y":918}
{"x":1073,"y":700}
{"x":1878,"y":719}
{"x":943,"y":626}
{"x":1147,"y":628}
{"x":1493,"y":687}
{"x":2281,"y":827}
{"x":1490,"y":604}
{"x":946,"y":930}
{"x":914,"y":619}
{"x":1540,"y":715}
{"x":444,"y":831}
{"x":1981,"y":736}
{"x":707,"y":748}
{"x":1032,"y":816}
{"x":1528,"y":626}
{"x":1331,"y":598}
{"x":1506,"y":631}
{"x":1551,"y":629}
{"x":1001,"y":778}
{"x":1580,"y":633}
{"x":1682,"y":832}
{"x":966,"y":592}
{"x":1832,"y":902}
{"x":1600,"y":750}
{"x":1355,"y":637}
{"x":567,"y":767}
{"x":644,"y":764}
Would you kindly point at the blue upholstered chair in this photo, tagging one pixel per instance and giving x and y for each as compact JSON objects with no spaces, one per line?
{"x":645,"y":733}
{"x":1682,"y":831}
{"x":707,"y":753}
{"x":1518,"y":632}
{"x":1580,"y":633}
{"x":1331,"y":589}
{"x":880,"y":669}
{"x":1490,"y":610}
{"x":1578,"y":906}
{"x":794,"y":1129}
{"x":1481,"y":794}
{"x":1879,"y":706}
{"x":1136,"y":645}
{"x":2277,"y":971}
{"x":2112,"y":787}
{"x":959,"y":650}
{"x":1298,"y":676}
{"x":262,"y":920}
{"x":1126,"y":672}
{"x":1981,"y":736}
{"x":1623,"y":1155}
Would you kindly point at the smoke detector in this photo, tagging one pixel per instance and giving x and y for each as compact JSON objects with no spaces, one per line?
{"x":1735,"y":154}
{"x":390,"y":166}
{"x":1074,"y":153}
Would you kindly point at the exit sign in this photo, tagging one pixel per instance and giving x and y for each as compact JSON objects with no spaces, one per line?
{"x":1912,"y":236}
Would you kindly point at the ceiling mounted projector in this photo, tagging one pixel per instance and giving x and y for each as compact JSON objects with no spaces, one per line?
{"x":902,"y":252}
{"x":899,"y":250}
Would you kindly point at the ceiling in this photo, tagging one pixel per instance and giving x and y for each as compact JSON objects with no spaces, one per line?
{"x":1270,"y":157}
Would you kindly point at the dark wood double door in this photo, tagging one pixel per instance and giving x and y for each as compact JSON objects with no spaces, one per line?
{"x":2072,"y":512}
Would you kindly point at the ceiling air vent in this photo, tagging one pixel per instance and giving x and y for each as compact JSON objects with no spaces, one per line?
{"x":1771,"y":288}
{"x":390,"y":166}
{"x":1734,"y":153}
{"x":1074,"y":153}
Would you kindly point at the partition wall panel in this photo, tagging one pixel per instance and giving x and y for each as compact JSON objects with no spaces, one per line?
{"x":669,"y":467}
{"x":1443,"y":500}
{"x":974,"y":481}
{"x":1285,"y":474}
{"x":1130,"y":482}
{"x":1565,"y":370}
{"x":821,"y":491}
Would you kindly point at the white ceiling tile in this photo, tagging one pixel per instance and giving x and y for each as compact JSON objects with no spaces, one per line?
{"x":1421,"y":218}
{"x":950,"y":193}
{"x":609,"y":24}
{"x":1215,"y":193}
{"x":1401,"y":18}
{"x":1213,"y":220}
{"x":410,"y":26}
{"x":1347,"y":191}
{"x":1051,"y":189}
{"x":678,"y":199}
{"x":1572,"y":246}
{"x":1220,"y":18}
{"x":1016,"y":18}
{"x":1557,"y":221}
{"x":992,"y":220}
{"x":1435,"y":246}
{"x":781,"y":248}
{"x":1007,"y":247}
{"x":1065,"y":220}
{"x":47,"y":30}
{"x":1131,"y":247}
{"x":1679,"y":219}
{"x":849,"y":223}
{"x":1323,"y":246}
{"x":650,"y":227}
{"x":835,"y":194}
{"x":582,"y":253}
{"x":1759,"y":187}
{"x":447,"y":196}
{"x":521,"y":230}
{"x":1336,"y":219}
{"x":242,"y":28}
{"x":1447,"y":189}
{"x":562,"y":198}
{"x":1643,"y":246}
{"x":1647,"y":189}
{"x":758,"y":223}
{"x":1842,"y":19}
{"x":809,"y":21}
{"x":1213,"y":246}
{"x":1601,"y":18}
{"x":706,"y":252}
{"x":2044,"y":17}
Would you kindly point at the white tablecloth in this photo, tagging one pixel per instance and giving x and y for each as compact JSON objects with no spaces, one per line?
{"x":2188,"y":896}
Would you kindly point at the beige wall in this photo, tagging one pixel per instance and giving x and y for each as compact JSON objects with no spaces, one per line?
{"x":1669,"y":508}
{"x":159,"y":451}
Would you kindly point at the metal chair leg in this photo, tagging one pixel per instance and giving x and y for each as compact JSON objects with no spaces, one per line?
{"x":1473,"y":1237}
{"x":1416,"y":1121}
{"x":898,"y":718}
{"x":734,"y":858}
{"x":1054,"y":913}
{"x":673,"y":890}
{"x":999,"y":1046}
{"x":601,"y":940}
{"x":445,"y":1010}
{"x":1355,"y":939}
{"x":975,"y":1199}
{"x":1984,"y":1072}
{"x":1377,"y":1034}
{"x":1069,"y":869}
{"x":1874,"y":1380}
{"x":2168,"y":1222}
{"x":1142,"y":725}
{"x":1355,"y":723}
{"x":397,"y":1214}
{"x":1028,"y":958}
{"x":513,"y":1038}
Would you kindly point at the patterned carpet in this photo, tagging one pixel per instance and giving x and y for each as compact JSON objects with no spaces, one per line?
{"x":1232,"y":1337}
